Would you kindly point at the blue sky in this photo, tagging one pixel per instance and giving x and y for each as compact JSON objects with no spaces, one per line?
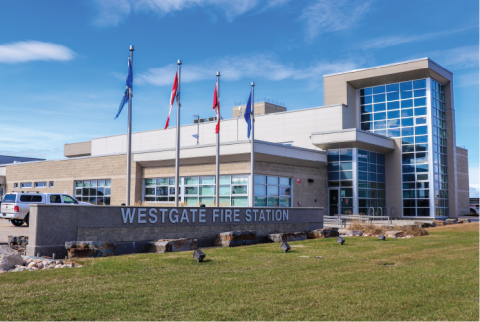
{"x":63,"y":63}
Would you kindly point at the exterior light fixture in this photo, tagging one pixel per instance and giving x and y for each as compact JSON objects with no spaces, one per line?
{"x":310,"y":180}
{"x":285,"y":246}
{"x":199,"y":255}
{"x":340,"y":240}
{"x":381,"y":237}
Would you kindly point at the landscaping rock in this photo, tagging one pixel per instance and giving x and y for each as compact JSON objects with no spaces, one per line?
{"x":395,"y":234}
{"x":343,"y":231}
{"x":439,"y":223}
{"x":172,"y":245}
{"x":236,"y":238}
{"x":355,"y":233}
{"x":81,"y":249}
{"x":463,"y":221}
{"x":323,"y":233}
{"x":286,"y":237}
{"x":450,"y":221}
{"x":9,"y":258}
{"x":424,"y":224}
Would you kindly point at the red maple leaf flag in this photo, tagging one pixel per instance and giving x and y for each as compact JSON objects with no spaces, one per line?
{"x":172,"y":98}
{"x":216,"y":107}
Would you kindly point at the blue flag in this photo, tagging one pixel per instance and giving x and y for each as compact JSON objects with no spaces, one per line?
{"x":246,"y":115}
{"x":126,"y":95}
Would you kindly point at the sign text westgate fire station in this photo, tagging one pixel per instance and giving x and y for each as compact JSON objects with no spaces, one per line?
{"x":201,"y":215}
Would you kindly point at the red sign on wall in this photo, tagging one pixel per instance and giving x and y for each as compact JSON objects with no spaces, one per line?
{"x":299,"y":180}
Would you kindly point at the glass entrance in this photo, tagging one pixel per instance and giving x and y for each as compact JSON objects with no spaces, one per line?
{"x":333,"y":205}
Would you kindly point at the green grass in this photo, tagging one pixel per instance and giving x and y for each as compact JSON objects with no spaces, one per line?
{"x":424,"y":278}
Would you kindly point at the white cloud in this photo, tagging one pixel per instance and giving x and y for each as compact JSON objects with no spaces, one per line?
{"x":113,"y":11}
{"x":457,"y":58}
{"x":466,"y":80}
{"x":233,"y":68}
{"x":328,"y":15}
{"x":25,"y":51}
{"x":388,"y":41}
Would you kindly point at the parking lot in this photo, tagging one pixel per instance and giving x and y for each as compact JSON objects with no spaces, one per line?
{"x":7,"y":229}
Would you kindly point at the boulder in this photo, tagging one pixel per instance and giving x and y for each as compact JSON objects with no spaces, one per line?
{"x":439,"y":223}
{"x":172,"y":245}
{"x":9,"y":258}
{"x":355,"y":233}
{"x":450,"y":221}
{"x":286,"y":237}
{"x":79,"y":249}
{"x":323,"y":233}
{"x":343,"y":231}
{"x":424,"y":224}
{"x":464,"y":221}
{"x":395,"y":233}
{"x":236,"y":238}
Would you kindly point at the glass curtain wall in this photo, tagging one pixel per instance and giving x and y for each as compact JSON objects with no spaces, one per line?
{"x":439,"y":140}
{"x":340,"y":175}
{"x":400,"y":110}
{"x":371,"y":182}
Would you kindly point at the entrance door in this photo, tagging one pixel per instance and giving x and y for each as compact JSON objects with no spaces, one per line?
{"x":333,"y":204}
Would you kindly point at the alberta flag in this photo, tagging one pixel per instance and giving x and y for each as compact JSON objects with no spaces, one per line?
{"x":246,"y":115}
{"x":128,"y":90}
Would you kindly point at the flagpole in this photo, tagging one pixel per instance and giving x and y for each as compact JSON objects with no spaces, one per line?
{"x":177,"y":146}
{"x":129,"y":134}
{"x":217,"y":160}
{"x":252,"y":152}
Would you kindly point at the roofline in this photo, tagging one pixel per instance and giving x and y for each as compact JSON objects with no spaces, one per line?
{"x":388,"y":65}
{"x":169,"y":149}
{"x":12,"y":156}
{"x":256,"y":115}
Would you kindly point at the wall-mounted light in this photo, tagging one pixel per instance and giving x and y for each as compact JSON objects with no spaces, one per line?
{"x":310,"y":180}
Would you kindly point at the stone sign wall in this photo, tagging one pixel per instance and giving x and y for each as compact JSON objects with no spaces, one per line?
{"x":131,"y":228}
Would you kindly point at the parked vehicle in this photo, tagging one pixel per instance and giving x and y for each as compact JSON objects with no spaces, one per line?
{"x":16,"y":205}
{"x":474,"y":209}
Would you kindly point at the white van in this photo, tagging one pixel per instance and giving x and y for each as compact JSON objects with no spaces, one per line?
{"x":16,"y":205}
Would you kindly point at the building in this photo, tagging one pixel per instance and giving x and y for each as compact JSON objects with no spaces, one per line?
{"x":383,"y":142}
{"x":7,"y":159}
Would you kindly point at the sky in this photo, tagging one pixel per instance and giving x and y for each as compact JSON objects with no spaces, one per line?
{"x":63,"y":63}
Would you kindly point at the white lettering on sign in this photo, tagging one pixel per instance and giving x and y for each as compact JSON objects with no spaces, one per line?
{"x":173,"y":220}
{"x":189,"y":215}
{"x":201,"y":215}
{"x":152,"y":213}
{"x":141,"y":216}
{"x":363,"y":156}
{"x":128,"y":214}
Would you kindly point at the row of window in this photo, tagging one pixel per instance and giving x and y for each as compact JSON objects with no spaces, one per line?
{"x":41,"y":184}
{"x":97,"y":192}
{"x":270,"y":191}
{"x":405,"y":86}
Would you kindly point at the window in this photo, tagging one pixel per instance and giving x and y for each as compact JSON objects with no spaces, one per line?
{"x":25,"y":185}
{"x":68,"y":199}
{"x":51,"y":184}
{"x":15,"y":185}
{"x":271,"y":191}
{"x":159,"y":190}
{"x":9,"y":198}
{"x":96,"y":192}
{"x":371,"y":178}
{"x":40,"y":184}
{"x":55,"y":199}
{"x":30,"y":198}
{"x":195,"y":191}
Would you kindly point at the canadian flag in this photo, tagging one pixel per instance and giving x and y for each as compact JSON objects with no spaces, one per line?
{"x":172,"y":98}
{"x":216,"y":107}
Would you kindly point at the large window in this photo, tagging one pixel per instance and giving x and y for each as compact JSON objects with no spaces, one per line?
{"x":271,"y":191}
{"x":371,"y":181}
{"x":340,"y":174}
{"x":439,"y":139}
{"x":159,"y":190}
{"x":400,"y":110}
{"x":195,"y":191}
{"x":96,"y":192}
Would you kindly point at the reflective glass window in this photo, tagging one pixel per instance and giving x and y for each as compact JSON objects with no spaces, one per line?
{"x":406,"y":86}
{"x":380,"y":125}
{"x":407,"y":122}
{"x":366,"y":109}
{"x":407,"y":113}
{"x":420,"y":111}
{"x":392,"y":88}
{"x":393,"y":96}
{"x":379,"y":89}
{"x":393,"y":123}
{"x":407,"y":103}
{"x":405,"y":95}
{"x":380,"y":116}
{"x":393,"y":105}
{"x":379,"y":107}
{"x":420,"y":101}
{"x":422,"y":83}
{"x":379,"y":98}
{"x":393,"y":114}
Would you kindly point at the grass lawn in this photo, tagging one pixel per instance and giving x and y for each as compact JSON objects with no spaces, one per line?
{"x":423,"y":278}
